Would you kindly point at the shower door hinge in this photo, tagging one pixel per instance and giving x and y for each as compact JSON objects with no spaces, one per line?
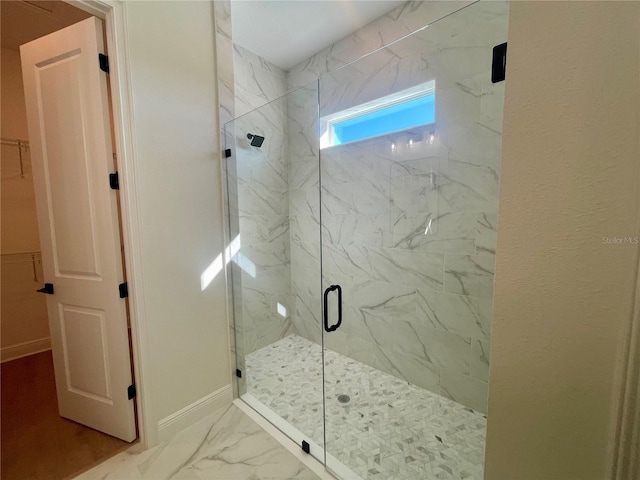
{"x":124,"y":290}
{"x":499,"y":63}
{"x":305,"y":447}
{"x":227,"y":153}
{"x":104,"y":62}
{"x":131,"y":391}
{"x":238,"y":373}
{"x":114,"y":181}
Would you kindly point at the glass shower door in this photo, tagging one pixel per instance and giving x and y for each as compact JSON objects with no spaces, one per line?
{"x":274,"y":249}
{"x":409,"y":167}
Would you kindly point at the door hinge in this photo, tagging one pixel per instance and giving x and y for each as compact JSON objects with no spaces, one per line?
{"x":124,"y":290}
{"x":499,"y":63}
{"x":131,"y":391}
{"x":104,"y":62}
{"x":114,"y":181}
{"x":227,"y":153}
{"x":238,"y":373}
{"x":305,"y":447}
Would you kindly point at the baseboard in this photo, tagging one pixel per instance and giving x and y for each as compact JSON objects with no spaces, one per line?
{"x":13,"y":352}
{"x":174,"y":423}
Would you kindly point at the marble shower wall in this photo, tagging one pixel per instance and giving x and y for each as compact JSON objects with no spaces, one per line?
{"x":409,"y":232}
{"x":401,"y":21}
{"x":304,"y":210}
{"x":416,"y":306}
{"x":251,"y":84}
{"x":263,"y":293}
{"x":304,"y":147}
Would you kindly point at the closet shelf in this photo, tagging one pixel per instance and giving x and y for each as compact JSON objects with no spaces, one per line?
{"x":23,"y":147}
{"x":20,"y":257}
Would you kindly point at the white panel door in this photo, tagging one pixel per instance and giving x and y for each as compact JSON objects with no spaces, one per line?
{"x":69,"y":130}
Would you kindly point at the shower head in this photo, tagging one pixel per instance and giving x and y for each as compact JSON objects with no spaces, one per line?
{"x":256,"y":140}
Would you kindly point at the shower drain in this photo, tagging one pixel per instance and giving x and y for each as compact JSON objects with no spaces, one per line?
{"x":344,"y":398}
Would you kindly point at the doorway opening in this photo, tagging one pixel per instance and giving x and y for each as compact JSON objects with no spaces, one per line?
{"x":37,"y":442}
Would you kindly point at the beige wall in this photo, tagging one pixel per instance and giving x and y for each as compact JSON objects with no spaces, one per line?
{"x":19,"y":221}
{"x":14,"y":113}
{"x":562,"y":296}
{"x":25,"y":327}
{"x":173,"y":79}
{"x":176,"y":140}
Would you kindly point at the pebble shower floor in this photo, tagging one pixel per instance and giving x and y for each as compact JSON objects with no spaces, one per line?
{"x":389,"y":429}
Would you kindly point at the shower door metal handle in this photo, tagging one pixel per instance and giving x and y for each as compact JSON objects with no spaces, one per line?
{"x":330,"y":289}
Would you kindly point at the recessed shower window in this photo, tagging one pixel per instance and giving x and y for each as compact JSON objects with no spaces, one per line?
{"x":400,"y":111}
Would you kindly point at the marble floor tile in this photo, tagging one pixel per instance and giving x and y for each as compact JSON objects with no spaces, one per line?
{"x":386,"y":428}
{"x":227,"y":445}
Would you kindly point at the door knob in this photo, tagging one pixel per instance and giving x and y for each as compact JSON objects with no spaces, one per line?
{"x":48,"y":288}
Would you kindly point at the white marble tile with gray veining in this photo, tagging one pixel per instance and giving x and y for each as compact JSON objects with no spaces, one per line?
{"x":266,"y":255}
{"x":472,"y":144}
{"x":486,"y":233}
{"x":305,"y":201}
{"x":305,"y":269}
{"x":257,"y":81}
{"x":273,"y":279}
{"x":341,"y":165}
{"x":303,"y":171}
{"x":269,"y":121}
{"x":368,"y":325}
{"x":416,"y":269}
{"x":480,"y":360}
{"x":302,"y":123}
{"x":224,"y":57}
{"x":261,"y":229}
{"x":391,"y":210}
{"x":391,"y":299}
{"x":412,"y":368}
{"x":397,"y":23}
{"x":433,"y":345}
{"x":469,"y":275}
{"x":414,"y":193}
{"x":304,"y":228}
{"x":257,"y":302}
{"x":460,"y":314}
{"x":258,"y":198}
{"x":337,"y":200}
{"x":308,"y":317}
{"x":263,"y":166}
{"x":346,"y":261}
{"x":369,"y":197}
{"x":464,"y":389}
{"x":468,"y":188}
{"x":227,"y":445}
{"x":277,"y":329}
{"x":448,"y":51}
{"x":352,"y":347}
{"x":352,"y":229}
{"x":378,"y":75}
{"x":452,"y":232}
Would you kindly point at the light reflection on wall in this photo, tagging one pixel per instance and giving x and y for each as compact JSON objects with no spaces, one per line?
{"x":232,"y":252}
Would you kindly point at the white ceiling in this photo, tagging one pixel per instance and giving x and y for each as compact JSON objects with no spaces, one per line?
{"x":286,"y":32}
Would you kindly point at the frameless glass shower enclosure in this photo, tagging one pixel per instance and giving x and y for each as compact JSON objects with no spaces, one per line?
{"x":363,"y":223}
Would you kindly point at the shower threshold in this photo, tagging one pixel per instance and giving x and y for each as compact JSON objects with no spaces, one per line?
{"x":334,"y":466}
{"x":388,"y":430}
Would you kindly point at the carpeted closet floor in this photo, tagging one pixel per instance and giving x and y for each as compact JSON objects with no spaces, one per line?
{"x":38,"y":444}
